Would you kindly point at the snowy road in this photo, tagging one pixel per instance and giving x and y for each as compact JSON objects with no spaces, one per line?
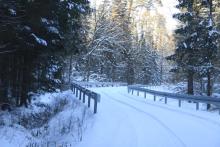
{"x":124,"y":120}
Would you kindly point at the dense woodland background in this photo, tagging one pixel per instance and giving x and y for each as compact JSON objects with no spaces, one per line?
{"x":47,"y":43}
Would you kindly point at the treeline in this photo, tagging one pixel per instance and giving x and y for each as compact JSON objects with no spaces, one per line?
{"x":34,"y":41}
{"x":119,"y":46}
{"x":197,"y":55}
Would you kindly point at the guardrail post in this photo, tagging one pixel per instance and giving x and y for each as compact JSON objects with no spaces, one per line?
{"x":84,"y":98}
{"x":71,"y":87}
{"x":165,"y":100}
{"x":89,"y":100}
{"x":74,"y":89}
{"x":208,"y":106}
{"x":145,"y":95}
{"x":76,"y":92}
{"x":154,"y":97}
{"x":197,"y":105}
{"x":80,"y":94}
{"x":179,"y":103}
{"x":137,"y":93}
{"x":132,"y":91}
{"x":95,"y":105}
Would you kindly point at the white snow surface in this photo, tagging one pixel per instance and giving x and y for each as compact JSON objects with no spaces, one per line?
{"x":126,"y":120}
{"x":65,"y":128}
{"x":39,"y":40}
{"x":123,"y":120}
{"x":12,"y":12}
{"x":52,"y":29}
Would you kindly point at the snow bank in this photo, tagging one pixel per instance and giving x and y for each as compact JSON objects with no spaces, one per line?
{"x":52,"y":118}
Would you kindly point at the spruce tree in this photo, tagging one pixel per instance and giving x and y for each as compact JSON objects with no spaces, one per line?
{"x":32,"y":45}
{"x":185,"y":55}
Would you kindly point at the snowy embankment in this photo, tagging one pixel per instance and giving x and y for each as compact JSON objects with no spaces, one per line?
{"x":55,"y":119}
{"x":125,"y":120}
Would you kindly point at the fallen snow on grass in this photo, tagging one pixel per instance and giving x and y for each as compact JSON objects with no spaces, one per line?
{"x":51,"y":119}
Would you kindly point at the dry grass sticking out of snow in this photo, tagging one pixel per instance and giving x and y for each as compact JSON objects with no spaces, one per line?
{"x":51,"y":119}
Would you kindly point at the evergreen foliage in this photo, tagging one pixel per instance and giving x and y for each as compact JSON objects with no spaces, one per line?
{"x":196,"y":51}
{"x":32,"y":45}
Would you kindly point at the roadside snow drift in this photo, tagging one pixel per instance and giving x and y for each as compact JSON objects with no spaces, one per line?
{"x":56,"y":119}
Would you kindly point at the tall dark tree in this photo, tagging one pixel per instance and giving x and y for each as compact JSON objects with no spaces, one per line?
{"x":32,"y":47}
{"x":186,"y":54}
{"x":196,"y":46}
{"x":121,"y":15}
{"x":208,"y":39}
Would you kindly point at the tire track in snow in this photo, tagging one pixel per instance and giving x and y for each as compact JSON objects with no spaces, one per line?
{"x":150,"y":116}
{"x":132,"y":128}
{"x":172,"y":110}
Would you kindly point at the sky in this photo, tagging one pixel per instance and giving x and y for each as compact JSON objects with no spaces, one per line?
{"x":168,"y":10}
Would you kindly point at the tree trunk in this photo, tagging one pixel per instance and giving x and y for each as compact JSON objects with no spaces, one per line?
{"x":209,"y":87}
{"x":4,"y":81}
{"x":26,"y":79}
{"x":70,"y":67}
{"x":130,"y":73}
{"x":190,"y":82}
{"x":113,"y":73}
{"x":88,"y":68}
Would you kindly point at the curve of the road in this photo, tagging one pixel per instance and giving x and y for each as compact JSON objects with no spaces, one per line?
{"x":171,"y":109}
{"x":154,"y":118}
{"x":124,"y":121}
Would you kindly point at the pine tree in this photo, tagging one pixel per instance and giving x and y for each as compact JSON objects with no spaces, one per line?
{"x":185,"y":54}
{"x":121,"y":15}
{"x":147,"y":71}
{"x":208,"y":38}
{"x":32,"y":45}
{"x":197,"y":45}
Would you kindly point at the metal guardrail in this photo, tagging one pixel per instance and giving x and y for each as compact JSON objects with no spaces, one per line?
{"x":179,"y":97}
{"x":82,"y":93}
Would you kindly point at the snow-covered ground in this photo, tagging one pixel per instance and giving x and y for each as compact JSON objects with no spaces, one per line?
{"x":125,"y":120}
{"x":53,"y":119}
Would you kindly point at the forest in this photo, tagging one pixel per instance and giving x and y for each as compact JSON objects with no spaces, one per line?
{"x":45,"y":44}
{"x":109,"y":73}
